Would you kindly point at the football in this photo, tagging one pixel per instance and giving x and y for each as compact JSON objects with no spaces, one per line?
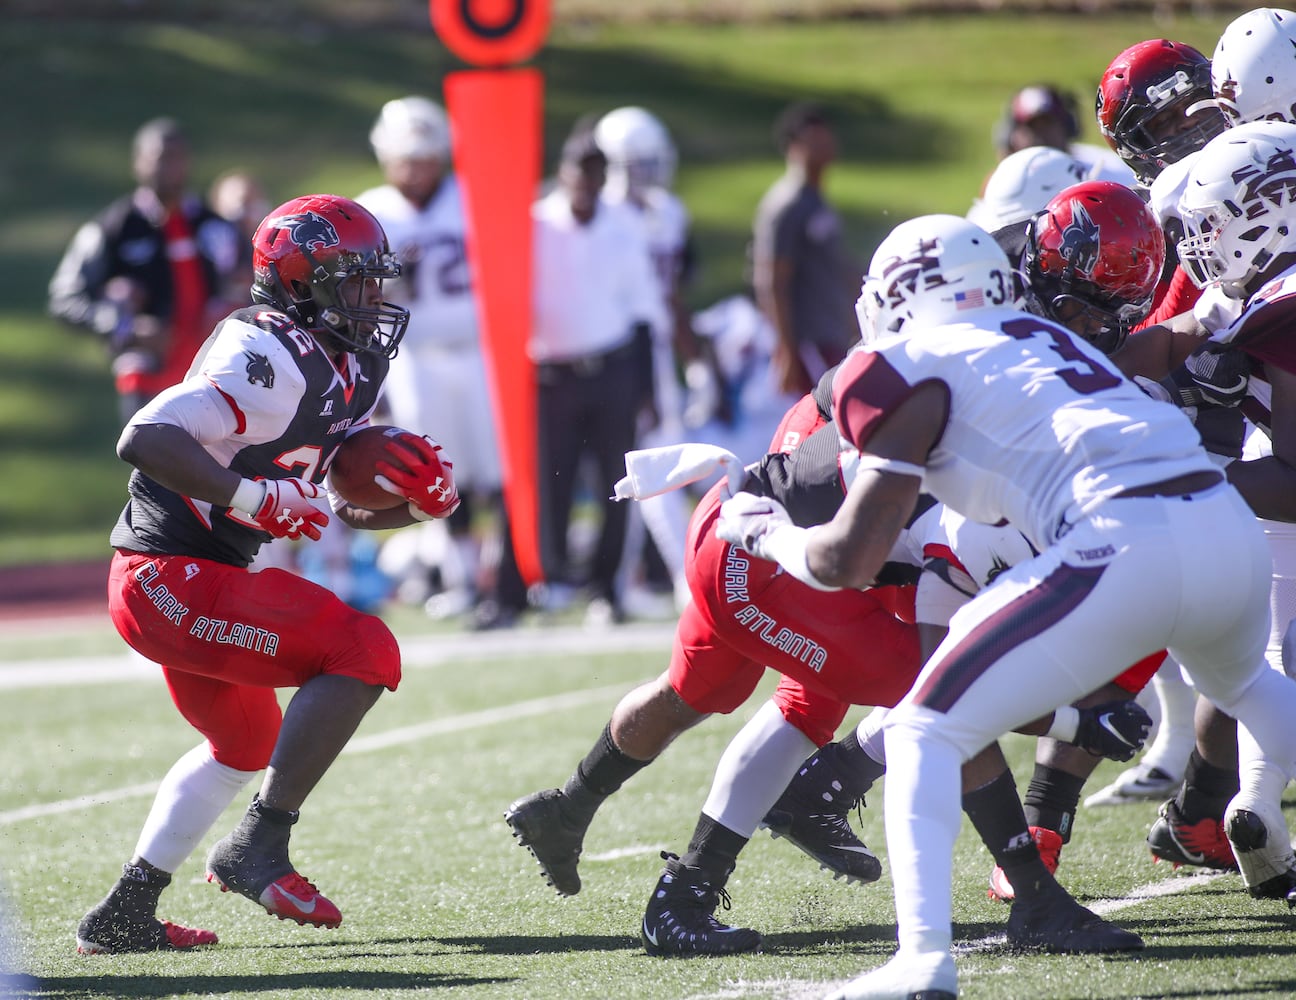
{"x":352,"y":470}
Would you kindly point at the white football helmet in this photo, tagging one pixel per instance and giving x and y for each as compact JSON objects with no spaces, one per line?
{"x":411,"y":128}
{"x":1024,"y":183}
{"x":638,"y":147}
{"x":931,"y":270}
{"x":1239,"y":206}
{"x":1253,"y":70}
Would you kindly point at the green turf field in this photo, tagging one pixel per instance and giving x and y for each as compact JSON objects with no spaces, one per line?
{"x":915,"y":98}
{"x":406,"y":834}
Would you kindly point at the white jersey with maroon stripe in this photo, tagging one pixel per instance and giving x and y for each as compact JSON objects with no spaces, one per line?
{"x":1038,"y":467}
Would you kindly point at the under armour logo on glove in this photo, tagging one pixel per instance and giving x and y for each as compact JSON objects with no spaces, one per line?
{"x":420,"y":475}
{"x":287,"y":510}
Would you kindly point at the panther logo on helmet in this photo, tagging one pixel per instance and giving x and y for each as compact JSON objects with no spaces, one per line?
{"x":308,"y":230}
{"x":1081,"y":243}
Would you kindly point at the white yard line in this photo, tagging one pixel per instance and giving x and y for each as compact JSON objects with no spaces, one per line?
{"x":421,"y":652}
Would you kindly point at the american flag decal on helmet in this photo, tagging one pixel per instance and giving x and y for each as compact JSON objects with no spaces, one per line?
{"x":973,"y":298}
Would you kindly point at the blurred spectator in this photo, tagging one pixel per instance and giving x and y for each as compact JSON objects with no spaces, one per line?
{"x":596,"y":305}
{"x":150,"y":274}
{"x":1044,"y":115}
{"x":437,"y":384}
{"x":239,"y":197}
{"x":805,"y":280}
{"x":641,"y":168}
{"x":743,"y":342}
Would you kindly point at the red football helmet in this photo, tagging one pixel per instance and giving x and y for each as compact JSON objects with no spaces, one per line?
{"x":1093,"y":258}
{"x":306,"y":250}
{"x":1143,"y":103}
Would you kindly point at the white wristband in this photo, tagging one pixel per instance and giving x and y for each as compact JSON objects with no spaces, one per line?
{"x":249,"y":496}
{"x":876,"y":463}
{"x":1066,"y":720}
{"x":418,"y":513}
{"x":786,"y":545}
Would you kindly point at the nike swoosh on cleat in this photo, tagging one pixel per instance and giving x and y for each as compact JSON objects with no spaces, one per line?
{"x":650,"y":935}
{"x":1229,"y":390}
{"x":854,"y":850}
{"x":301,"y":904}
{"x":1192,"y":856}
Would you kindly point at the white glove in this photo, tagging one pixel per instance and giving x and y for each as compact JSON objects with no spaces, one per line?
{"x":747,"y":520}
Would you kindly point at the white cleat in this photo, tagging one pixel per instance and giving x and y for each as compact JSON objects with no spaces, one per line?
{"x":1139,"y":783}
{"x":925,"y":976}
{"x":1262,"y":847}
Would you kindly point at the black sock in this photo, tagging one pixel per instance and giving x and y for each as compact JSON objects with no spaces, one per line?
{"x":139,"y":888}
{"x":997,"y":816}
{"x":279,"y":817}
{"x":714,"y":850}
{"x":861,"y":769}
{"x":604,"y":770}
{"x":1052,"y":800}
{"x":1206,"y":790}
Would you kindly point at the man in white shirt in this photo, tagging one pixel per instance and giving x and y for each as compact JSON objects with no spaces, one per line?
{"x":596,"y":305}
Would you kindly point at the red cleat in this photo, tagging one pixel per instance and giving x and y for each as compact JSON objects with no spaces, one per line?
{"x":1049,"y":843}
{"x":291,"y":897}
{"x":1202,"y":843}
{"x":182,"y":937}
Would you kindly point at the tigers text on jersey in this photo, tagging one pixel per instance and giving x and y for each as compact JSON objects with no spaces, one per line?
{"x":436,"y":281}
{"x":289,"y":409}
{"x":1040,"y":427}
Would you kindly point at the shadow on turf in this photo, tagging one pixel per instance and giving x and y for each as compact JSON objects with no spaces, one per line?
{"x":154,"y":985}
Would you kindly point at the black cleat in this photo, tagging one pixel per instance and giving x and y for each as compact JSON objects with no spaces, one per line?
{"x":1059,"y":924}
{"x":253,"y":862}
{"x":680,"y":920}
{"x":814,"y":814}
{"x":542,"y":826}
{"x":1201,"y":843}
{"x":109,"y":930}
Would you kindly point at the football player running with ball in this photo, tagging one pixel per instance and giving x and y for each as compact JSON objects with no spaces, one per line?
{"x":225,"y":461}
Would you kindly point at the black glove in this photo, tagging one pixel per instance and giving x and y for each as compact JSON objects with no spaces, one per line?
{"x":1210,"y":376}
{"x":1114,"y":729}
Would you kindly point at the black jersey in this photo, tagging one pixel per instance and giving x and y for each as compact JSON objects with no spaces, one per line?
{"x":292,"y":407}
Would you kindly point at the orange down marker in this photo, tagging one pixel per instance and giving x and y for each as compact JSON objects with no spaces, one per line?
{"x":496,"y":116}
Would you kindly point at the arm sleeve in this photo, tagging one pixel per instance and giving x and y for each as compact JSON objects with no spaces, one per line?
{"x":75,"y":289}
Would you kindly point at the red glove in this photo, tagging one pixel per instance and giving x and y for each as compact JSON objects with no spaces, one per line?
{"x":421,"y":476}
{"x":285,"y":509}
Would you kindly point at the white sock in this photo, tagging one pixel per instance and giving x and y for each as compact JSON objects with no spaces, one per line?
{"x":923,"y":810}
{"x":190,"y":799}
{"x":1175,"y":737}
{"x":869,"y":735}
{"x":756,"y":766}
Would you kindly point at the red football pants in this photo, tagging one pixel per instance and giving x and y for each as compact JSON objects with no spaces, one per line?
{"x":226,"y":638}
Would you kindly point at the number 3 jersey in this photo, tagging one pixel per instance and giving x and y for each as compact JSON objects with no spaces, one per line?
{"x":265,"y":400}
{"x":1039,"y":427}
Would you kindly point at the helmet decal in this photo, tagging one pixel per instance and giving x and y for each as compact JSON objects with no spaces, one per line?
{"x":1270,"y":186}
{"x":1081,"y":240}
{"x":308,"y":230}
